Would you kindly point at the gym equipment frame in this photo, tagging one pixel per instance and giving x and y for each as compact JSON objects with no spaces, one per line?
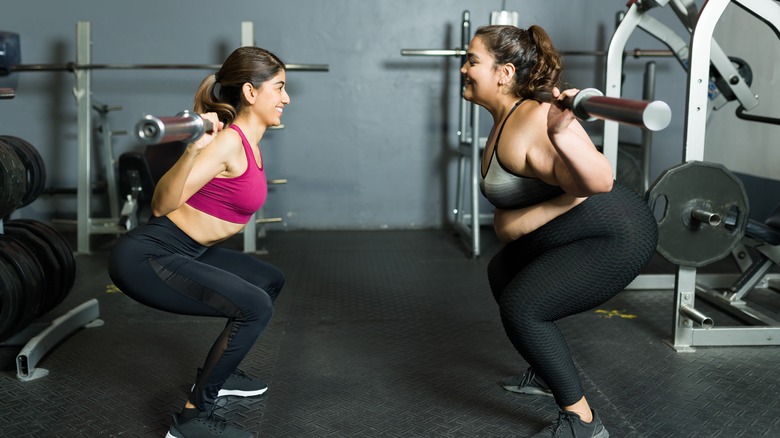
{"x":703,"y":53}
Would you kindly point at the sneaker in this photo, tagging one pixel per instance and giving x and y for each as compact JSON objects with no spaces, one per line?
{"x":241,"y":385}
{"x":569,"y":425}
{"x":528,"y":383}
{"x":206,"y":425}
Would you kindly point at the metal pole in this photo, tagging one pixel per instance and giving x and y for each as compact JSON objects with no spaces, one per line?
{"x":636,"y":53}
{"x":615,"y":76}
{"x":83,"y":95}
{"x":465,"y":37}
{"x":684,"y":297}
{"x":72,"y":67}
{"x":476,"y":168}
{"x":648,"y":93}
{"x":699,"y":78}
{"x":250,"y":230}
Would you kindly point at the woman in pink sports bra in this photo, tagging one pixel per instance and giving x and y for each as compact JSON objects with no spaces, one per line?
{"x":172,"y":263}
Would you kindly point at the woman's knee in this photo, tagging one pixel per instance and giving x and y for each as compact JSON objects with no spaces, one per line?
{"x":276,"y":284}
{"x":258,"y":308}
{"x":518,"y":312}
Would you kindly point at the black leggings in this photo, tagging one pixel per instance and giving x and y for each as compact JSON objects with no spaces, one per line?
{"x":159,"y":265}
{"x":574,"y":263}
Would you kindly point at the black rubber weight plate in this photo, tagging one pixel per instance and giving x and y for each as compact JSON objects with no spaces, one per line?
{"x":33,"y":163}
{"x":10,"y":297}
{"x":28,"y":270}
{"x":46,"y":258}
{"x":61,"y":249}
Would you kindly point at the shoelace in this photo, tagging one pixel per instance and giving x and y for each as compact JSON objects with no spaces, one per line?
{"x":216,"y":422}
{"x":240,"y":375}
{"x":561,"y":424}
{"x":527,"y":377}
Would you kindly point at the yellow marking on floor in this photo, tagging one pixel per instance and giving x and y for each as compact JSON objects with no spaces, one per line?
{"x":611,"y":313}
{"x":112,"y":289}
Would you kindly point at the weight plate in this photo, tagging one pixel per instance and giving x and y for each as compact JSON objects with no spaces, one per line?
{"x":46,"y":258}
{"x":31,"y":275}
{"x":10,"y":298}
{"x":705,"y":187}
{"x":13,"y":180}
{"x":34,"y":165}
{"x":61,"y":249}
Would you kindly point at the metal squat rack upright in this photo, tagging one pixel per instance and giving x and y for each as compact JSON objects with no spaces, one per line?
{"x":467,"y":222}
{"x":697,"y":60}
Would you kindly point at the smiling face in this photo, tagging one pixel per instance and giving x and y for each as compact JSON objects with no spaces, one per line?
{"x":480,"y":73}
{"x":271,"y":98}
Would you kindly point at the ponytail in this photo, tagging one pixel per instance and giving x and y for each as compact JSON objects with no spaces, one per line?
{"x":546,"y":70}
{"x":207,"y":101}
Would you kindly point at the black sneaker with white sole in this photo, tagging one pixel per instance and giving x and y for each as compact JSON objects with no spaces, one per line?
{"x":205,"y":425}
{"x":239,"y":384}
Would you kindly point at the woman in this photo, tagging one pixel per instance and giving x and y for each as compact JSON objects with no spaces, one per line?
{"x":172,"y":264}
{"x":574,"y":238}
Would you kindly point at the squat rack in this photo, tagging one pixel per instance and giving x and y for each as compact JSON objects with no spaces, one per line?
{"x":697,"y":60}
{"x":82,"y":91}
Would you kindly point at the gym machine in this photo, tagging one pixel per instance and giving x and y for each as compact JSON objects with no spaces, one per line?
{"x":705,"y":208}
{"x":470,"y":143}
{"x":86,"y":225}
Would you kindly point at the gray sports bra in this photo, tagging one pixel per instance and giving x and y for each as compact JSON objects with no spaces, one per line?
{"x":509,"y":191}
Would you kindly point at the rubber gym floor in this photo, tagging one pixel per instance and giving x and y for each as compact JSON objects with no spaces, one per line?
{"x":388,"y":334}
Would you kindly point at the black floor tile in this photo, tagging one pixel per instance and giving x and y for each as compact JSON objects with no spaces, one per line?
{"x":386,"y":334}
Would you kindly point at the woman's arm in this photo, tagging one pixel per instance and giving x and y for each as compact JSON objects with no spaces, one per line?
{"x":201,"y":161}
{"x":582,"y":170}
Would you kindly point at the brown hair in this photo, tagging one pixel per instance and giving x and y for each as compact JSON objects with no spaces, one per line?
{"x":537,"y":63}
{"x":245,"y":64}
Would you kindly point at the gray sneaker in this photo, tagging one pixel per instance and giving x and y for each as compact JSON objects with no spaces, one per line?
{"x":569,"y":425}
{"x":207,"y":424}
{"x":528,"y":383}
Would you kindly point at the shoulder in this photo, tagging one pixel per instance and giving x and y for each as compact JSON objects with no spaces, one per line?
{"x":223,"y":149}
{"x":228,"y":141}
{"x":524,"y":136}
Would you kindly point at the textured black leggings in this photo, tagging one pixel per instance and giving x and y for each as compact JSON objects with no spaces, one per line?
{"x":159,"y":265}
{"x":572,"y":264}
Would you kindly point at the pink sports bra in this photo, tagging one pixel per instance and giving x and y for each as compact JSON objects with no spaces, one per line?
{"x":234,"y":199}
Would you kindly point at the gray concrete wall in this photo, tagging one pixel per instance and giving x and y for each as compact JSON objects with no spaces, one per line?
{"x":370,"y":144}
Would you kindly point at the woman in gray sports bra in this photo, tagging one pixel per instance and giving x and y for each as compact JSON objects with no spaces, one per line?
{"x":574,"y":237}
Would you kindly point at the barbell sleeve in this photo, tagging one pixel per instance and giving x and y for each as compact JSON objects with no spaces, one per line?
{"x":591,"y":104}
{"x":694,"y":315}
{"x":705,"y":217}
{"x":184,"y":127}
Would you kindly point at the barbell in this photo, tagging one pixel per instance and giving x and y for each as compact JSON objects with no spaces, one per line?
{"x":590,"y":104}
{"x":184,"y":127}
